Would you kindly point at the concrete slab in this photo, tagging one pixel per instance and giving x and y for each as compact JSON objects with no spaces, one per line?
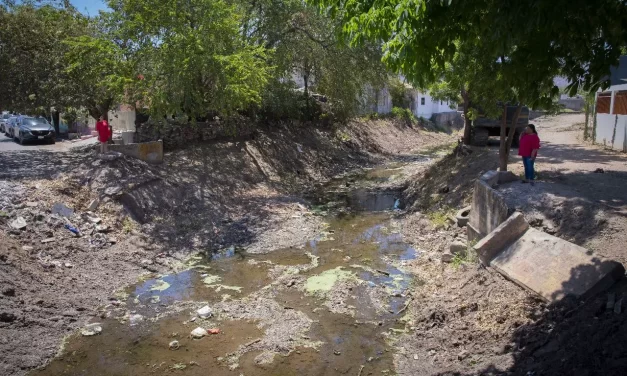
{"x":555,"y":268}
{"x":502,"y":236}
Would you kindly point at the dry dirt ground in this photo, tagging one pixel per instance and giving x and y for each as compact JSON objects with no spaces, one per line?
{"x":468,"y":320}
{"x":151,"y":218}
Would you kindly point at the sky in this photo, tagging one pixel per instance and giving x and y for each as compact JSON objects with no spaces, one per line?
{"x":90,"y":7}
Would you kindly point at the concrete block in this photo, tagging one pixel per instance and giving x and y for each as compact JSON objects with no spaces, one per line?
{"x":458,"y":248}
{"x":488,"y":207}
{"x":151,"y":152}
{"x":502,"y":236}
{"x":555,"y":268}
{"x":491,"y":178}
{"x":128,"y":137}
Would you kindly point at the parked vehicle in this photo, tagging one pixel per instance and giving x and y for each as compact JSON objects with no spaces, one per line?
{"x":483,"y":127}
{"x":8,"y":128}
{"x":33,"y":129}
{"x":3,"y":122}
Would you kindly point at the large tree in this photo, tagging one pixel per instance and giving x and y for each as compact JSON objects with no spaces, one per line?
{"x":525,"y":43}
{"x":307,"y":44}
{"x":33,"y":72}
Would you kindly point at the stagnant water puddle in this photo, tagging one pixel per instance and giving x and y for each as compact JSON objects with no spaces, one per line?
{"x":326,"y":307}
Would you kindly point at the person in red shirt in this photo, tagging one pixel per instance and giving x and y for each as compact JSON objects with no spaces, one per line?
{"x":528,"y":150}
{"x":102,"y":127}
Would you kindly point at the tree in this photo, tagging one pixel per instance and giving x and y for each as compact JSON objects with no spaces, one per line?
{"x":308,"y":45}
{"x":529,"y":41}
{"x":189,"y":57}
{"x":99,"y":69}
{"x":33,"y":72}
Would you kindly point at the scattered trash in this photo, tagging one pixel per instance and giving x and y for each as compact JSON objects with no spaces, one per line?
{"x":91,"y":329}
{"x":214,"y":331}
{"x":204,"y":312}
{"x":174,"y":345}
{"x":18,"y":223}
{"x":72,"y":229}
{"x":199,"y":333}
{"x":32,"y":204}
{"x":397,"y":204}
{"x":68,"y":265}
{"x":95,"y":220}
{"x":135,"y":319}
{"x":337,"y":352}
{"x":48,"y":240}
{"x":27,"y":248}
{"x":192,"y":319}
{"x":93,"y":204}
{"x":361,"y":368}
{"x":62,"y":210}
{"x":112,"y":191}
{"x":102,"y":228}
{"x":371,"y":284}
{"x":415,"y":356}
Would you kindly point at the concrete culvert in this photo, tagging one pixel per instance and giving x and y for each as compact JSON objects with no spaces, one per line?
{"x":462,"y":216}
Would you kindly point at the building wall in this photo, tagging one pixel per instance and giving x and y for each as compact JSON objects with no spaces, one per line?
{"x":430,"y":107}
{"x":121,"y":119}
{"x":611,"y":125}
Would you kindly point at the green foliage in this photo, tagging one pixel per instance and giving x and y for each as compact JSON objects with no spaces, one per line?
{"x":190,"y":55}
{"x":400,"y":93}
{"x":31,"y":54}
{"x":440,"y":217}
{"x":404,"y":113}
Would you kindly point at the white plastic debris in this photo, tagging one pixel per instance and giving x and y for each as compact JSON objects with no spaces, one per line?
{"x":92,"y":329}
{"x":204,"y":312}
{"x":199,"y":333}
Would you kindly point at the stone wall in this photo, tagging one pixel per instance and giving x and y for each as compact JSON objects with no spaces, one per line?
{"x":176,"y":134}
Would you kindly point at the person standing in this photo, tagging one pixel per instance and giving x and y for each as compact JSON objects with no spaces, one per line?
{"x":104,"y":133}
{"x":528,"y":150}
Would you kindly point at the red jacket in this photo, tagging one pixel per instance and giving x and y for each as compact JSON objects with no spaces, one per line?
{"x":528,"y":142}
{"x":102,"y":127}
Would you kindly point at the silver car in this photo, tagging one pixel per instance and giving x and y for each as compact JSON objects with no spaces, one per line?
{"x":8,"y":128}
{"x":33,"y":129}
{"x":3,"y":122}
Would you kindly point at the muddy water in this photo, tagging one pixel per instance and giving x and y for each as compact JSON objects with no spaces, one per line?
{"x":265,"y":304}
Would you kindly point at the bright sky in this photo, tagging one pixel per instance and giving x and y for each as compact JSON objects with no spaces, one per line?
{"x":90,"y":7}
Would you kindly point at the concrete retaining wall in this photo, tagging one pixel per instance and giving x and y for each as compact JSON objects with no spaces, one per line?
{"x":575,"y":104}
{"x":151,"y":152}
{"x":488,"y":206}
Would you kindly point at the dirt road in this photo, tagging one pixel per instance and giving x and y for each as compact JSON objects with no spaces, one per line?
{"x":8,"y":145}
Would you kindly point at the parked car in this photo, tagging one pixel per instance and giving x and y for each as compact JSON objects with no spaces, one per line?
{"x":33,"y":129}
{"x":8,"y":128}
{"x":3,"y":122}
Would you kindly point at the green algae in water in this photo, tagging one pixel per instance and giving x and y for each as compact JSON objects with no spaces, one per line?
{"x":325,"y":281}
{"x":211,"y":280}
{"x":160,"y":285}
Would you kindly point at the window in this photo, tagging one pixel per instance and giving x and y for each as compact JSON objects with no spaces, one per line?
{"x":422,"y":101}
{"x":603,"y":102}
{"x":620,"y":103}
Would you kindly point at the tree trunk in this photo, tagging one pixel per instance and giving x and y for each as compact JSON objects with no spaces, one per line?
{"x":467,"y":122}
{"x":55,"y":121}
{"x":503,"y":141}
{"x":306,"y":80}
{"x":510,"y":137}
{"x":585,"y":125}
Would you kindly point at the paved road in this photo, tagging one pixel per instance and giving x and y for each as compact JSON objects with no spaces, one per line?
{"x":7,"y":144}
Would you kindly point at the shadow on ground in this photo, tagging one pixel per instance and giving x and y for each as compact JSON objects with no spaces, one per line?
{"x":571,"y":337}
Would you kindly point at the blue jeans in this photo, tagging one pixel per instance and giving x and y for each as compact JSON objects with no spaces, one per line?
{"x":528,"y":163}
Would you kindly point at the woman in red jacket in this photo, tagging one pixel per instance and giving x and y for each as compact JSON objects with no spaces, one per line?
{"x":102,"y":127}
{"x":528,"y":150}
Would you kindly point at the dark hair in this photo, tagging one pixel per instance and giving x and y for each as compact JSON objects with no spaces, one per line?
{"x":533,"y":128}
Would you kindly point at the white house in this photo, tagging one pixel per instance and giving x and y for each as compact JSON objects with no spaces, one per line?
{"x":611,"y":110}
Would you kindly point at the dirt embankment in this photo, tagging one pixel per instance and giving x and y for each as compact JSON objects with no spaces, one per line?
{"x":135,"y":218}
{"x":468,"y":320}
